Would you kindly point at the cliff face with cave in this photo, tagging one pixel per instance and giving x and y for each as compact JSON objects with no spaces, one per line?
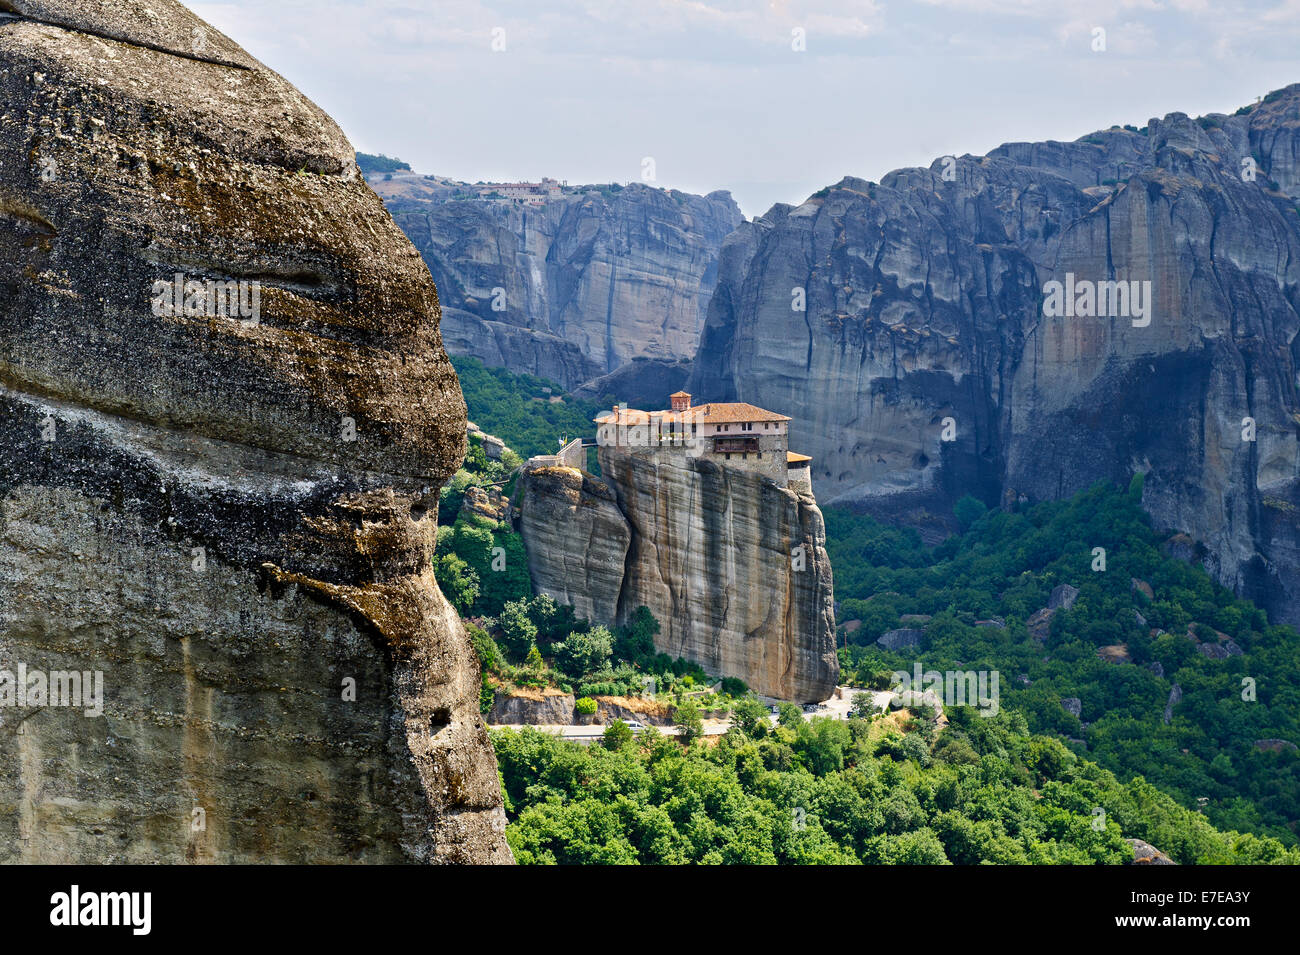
{"x":924,"y":301}
{"x":733,"y":566}
{"x":229,"y":517}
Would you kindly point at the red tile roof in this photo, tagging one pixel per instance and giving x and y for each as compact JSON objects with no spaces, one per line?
{"x":717,"y":412}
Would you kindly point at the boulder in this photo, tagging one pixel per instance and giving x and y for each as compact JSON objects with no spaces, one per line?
{"x":1146,"y":854}
{"x":1039,"y":624}
{"x":1062,"y":597}
{"x":903,"y":639}
{"x":1175,"y":696}
{"x":1275,"y":745}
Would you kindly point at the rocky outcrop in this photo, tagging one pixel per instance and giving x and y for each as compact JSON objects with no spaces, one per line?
{"x":926,"y":366}
{"x":733,"y":566}
{"x":904,"y":639}
{"x":1175,"y":697}
{"x":1275,"y":745}
{"x":1146,"y":854}
{"x":577,"y":287}
{"x":641,"y":383}
{"x":735,"y":569}
{"x":225,"y":517}
{"x":1062,"y":597}
{"x":576,"y":537}
{"x":630,"y":708}
{"x":548,"y":707}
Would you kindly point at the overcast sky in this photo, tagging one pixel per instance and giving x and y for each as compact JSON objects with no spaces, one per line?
{"x":715,"y":93}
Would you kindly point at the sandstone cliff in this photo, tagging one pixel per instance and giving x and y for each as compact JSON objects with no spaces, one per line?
{"x":229,"y":517}
{"x":588,"y":282}
{"x":577,"y":539}
{"x":925,"y":302}
{"x":733,"y":566}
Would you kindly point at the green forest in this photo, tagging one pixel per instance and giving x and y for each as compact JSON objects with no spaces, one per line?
{"x":519,"y":410}
{"x":1217,"y":781}
{"x":842,"y":792}
{"x":1145,"y":607}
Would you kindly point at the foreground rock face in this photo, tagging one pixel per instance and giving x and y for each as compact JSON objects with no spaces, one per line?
{"x":925,"y":298}
{"x":230,"y":518}
{"x":586,"y":283}
{"x":733,"y":566}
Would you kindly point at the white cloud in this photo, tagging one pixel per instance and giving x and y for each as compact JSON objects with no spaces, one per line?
{"x":712,"y":89}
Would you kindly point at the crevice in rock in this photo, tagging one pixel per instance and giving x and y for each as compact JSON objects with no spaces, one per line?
{"x":11,"y":14}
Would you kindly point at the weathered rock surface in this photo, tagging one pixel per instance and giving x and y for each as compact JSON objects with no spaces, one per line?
{"x":1275,"y":745}
{"x":901,"y":639}
{"x":641,"y":383}
{"x":733,"y":566}
{"x":1039,"y":624}
{"x":625,"y":708}
{"x":231,"y":520}
{"x":1175,"y":697}
{"x":1062,"y":597}
{"x":576,"y":537}
{"x":925,"y":303}
{"x":735,"y":569}
{"x":1146,"y":854}
{"x":548,"y":707}
{"x":586,"y":282}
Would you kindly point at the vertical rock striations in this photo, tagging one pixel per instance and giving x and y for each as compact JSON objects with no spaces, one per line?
{"x":925,"y":302}
{"x":732,"y":565}
{"x":225,"y":514}
{"x":578,"y":287}
{"x":577,"y":539}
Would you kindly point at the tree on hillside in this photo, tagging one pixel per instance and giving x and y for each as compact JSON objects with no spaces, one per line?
{"x":968,"y":510}
{"x":617,"y":735}
{"x":686,"y":717}
{"x":583,"y":652}
{"x":789,"y":715}
{"x":518,"y":632}
{"x":457,"y":581}
{"x":750,"y":717}
{"x":636,"y":641}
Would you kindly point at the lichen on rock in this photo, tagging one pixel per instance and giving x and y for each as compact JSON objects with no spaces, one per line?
{"x":227,"y":515}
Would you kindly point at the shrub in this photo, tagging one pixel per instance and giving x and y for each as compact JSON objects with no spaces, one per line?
{"x":617,"y":735}
{"x":687,"y":719}
{"x":585,"y":651}
{"x":733,"y":686}
{"x":518,"y":632}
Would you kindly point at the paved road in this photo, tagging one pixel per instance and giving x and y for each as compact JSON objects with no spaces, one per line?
{"x":586,"y":733}
{"x":834,"y":708}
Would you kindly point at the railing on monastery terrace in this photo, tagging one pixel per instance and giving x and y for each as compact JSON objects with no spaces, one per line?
{"x":572,"y":455}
